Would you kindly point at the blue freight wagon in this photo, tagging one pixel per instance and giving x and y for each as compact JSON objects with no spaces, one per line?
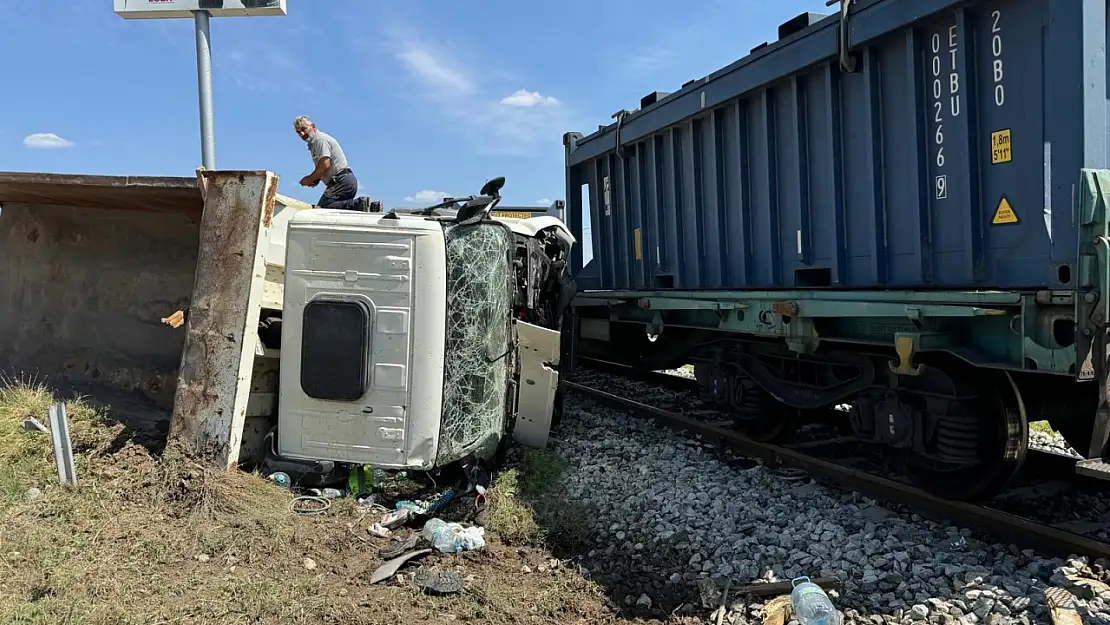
{"x":899,"y":202}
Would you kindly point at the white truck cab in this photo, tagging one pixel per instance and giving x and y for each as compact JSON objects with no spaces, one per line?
{"x":415,"y":340}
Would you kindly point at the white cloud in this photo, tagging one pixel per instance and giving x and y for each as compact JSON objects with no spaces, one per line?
{"x":436,"y":72}
{"x":46,"y":141}
{"x":472,"y":100}
{"x":543,"y":202}
{"x":427,"y":196}
{"x":523,"y":97}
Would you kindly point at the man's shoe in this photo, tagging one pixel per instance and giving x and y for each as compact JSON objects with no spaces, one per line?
{"x":364,"y":204}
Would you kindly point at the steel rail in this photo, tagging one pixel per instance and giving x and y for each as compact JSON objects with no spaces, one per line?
{"x":1039,"y":461}
{"x":1001,"y":525}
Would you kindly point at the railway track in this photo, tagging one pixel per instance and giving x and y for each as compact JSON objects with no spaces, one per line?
{"x":998,"y":523}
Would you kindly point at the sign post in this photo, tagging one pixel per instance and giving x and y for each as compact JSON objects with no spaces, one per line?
{"x":200,"y":11}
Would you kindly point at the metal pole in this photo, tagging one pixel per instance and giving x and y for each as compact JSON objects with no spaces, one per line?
{"x":204,"y":90}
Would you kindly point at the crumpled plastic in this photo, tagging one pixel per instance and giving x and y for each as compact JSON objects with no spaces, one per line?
{"x":453,"y":537}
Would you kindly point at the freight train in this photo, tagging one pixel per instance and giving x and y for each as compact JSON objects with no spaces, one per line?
{"x":901,"y":207}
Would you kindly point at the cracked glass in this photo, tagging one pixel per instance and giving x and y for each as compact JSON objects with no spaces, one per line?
{"x":476,"y":363}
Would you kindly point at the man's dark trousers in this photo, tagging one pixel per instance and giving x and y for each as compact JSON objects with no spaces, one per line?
{"x":341,"y":192}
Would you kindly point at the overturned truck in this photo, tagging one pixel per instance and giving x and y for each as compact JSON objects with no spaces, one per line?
{"x":257,"y":331}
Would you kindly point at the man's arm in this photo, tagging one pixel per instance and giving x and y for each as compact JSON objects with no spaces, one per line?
{"x":321,"y":153}
{"x":322,"y":166}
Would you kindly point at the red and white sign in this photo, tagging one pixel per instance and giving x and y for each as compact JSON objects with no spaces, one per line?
{"x":159,"y":9}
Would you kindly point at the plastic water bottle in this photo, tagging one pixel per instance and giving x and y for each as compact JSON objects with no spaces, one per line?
{"x":811,"y":605}
{"x":280,"y":478}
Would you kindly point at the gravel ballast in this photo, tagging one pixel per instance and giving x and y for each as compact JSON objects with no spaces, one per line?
{"x":670,"y":515}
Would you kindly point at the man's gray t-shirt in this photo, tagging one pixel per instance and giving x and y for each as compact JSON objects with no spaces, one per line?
{"x":322,"y":144}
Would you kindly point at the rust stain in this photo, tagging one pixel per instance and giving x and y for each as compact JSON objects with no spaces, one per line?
{"x":789,"y":309}
{"x":225,"y":269}
{"x":143,"y":193}
{"x":268,"y":203}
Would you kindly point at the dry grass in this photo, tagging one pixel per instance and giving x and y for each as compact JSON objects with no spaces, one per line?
{"x":527,"y":508}
{"x":1043,"y":427}
{"x":163,"y":540}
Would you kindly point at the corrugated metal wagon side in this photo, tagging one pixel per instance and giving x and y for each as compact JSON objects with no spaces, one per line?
{"x":941,"y":150}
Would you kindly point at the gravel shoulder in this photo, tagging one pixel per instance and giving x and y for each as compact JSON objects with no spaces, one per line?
{"x":672,"y":519}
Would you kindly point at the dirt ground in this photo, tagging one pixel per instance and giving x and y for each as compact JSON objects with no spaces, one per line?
{"x":155,"y":538}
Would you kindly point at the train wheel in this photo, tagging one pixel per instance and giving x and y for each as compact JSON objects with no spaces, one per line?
{"x":759,"y":416}
{"x":994,"y":424}
{"x":773,"y":426}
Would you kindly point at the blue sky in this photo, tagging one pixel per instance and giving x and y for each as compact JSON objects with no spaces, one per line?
{"x":427,"y":98}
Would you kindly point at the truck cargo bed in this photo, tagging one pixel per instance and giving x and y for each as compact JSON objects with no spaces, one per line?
{"x":942,"y":152}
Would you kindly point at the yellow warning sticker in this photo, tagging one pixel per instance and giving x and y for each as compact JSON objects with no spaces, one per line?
{"x":1004,"y":214}
{"x":1000,"y":147}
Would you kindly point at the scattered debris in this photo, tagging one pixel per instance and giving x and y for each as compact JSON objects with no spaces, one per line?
{"x":401,"y":546}
{"x":367,"y":500}
{"x":32,"y":424}
{"x":810,"y":603}
{"x":724,"y":602}
{"x":1062,"y":607}
{"x":771,"y":589}
{"x":379,"y":531}
{"x":438,"y":582}
{"x":1079,"y":586}
{"x":327,"y":493}
{"x":33,"y":494}
{"x":453,"y":537}
{"x":389,"y":569}
{"x":708,"y":592}
{"x":395,"y":518}
{"x":309,"y":505}
{"x":202,"y":557}
{"x":777,"y":611}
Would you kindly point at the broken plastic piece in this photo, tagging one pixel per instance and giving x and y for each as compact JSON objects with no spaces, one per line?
{"x":396,"y":518}
{"x":389,"y":569}
{"x":379,"y":531}
{"x":32,"y":424}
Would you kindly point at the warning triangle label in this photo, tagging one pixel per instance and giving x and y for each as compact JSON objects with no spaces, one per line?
{"x":1004,"y":214}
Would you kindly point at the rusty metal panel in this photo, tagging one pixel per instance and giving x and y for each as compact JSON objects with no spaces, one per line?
{"x":138,"y":193}
{"x":91,"y":264}
{"x":214,"y":381}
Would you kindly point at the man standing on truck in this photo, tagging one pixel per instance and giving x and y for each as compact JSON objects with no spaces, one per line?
{"x":340,"y":184}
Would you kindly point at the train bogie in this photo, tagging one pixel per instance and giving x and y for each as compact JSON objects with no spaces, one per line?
{"x":947,"y":380}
